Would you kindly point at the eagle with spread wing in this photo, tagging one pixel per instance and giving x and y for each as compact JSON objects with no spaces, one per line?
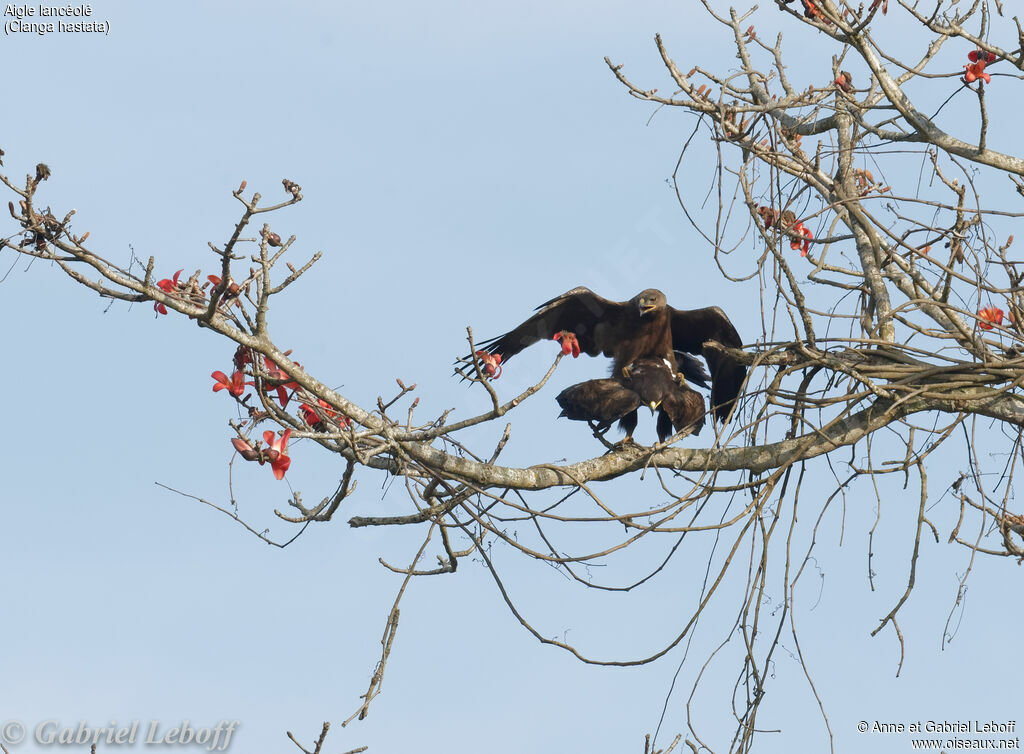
{"x":652,"y":383}
{"x":643,"y":327}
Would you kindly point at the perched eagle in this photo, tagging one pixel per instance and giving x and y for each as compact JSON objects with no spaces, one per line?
{"x":643,"y":327}
{"x":652,"y":383}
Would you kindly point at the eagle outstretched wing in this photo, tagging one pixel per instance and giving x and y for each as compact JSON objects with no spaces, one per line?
{"x":690,"y":329}
{"x":602,"y":401}
{"x":599,"y":324}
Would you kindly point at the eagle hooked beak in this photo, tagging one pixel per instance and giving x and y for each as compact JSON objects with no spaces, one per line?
{"x":646,"y":308}
{"x":653,"y":405}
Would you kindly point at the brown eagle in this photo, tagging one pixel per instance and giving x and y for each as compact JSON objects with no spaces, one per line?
{"x":643,"y":327}
{"x":652,"y":383}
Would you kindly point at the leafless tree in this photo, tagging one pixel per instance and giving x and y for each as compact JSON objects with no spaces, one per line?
{"x":891,"y":312}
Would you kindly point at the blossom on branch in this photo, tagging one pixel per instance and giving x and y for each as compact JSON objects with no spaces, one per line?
{"x":275,"y":373}
{"x":278,"y":452}
{"x":769,"y":215}
{"x":976,"y":68}
{"x":989,"y":316}
{"x":796,"y":243}
{"x":242,"y":357}
{"x":167,"y":285}
{"x":231,"y":291}
{"x":313,"y":419}
{"x":235,"y":385}
{"x":247,"y":451}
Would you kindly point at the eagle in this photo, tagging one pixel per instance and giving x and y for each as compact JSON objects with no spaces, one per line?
{"x":652,"y":383}
{"x":645,"y":327}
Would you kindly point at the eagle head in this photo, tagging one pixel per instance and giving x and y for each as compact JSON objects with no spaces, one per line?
{"x":650,"y":300}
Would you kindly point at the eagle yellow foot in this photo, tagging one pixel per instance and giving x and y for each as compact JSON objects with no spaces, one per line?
{"x":625,"y":442}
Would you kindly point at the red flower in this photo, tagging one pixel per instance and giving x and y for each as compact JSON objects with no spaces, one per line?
{"x":491,"y":363}
{"x":242,"y":357}
{"x":569,"y":343}
{"x":976,"y":70}
{"x":278,"y":452}
{"x":245,"y":449}
{"x":313,"y":419}
{"x":167,"y":285}
{"x":235,"y":385}
{"x":309,"y":415}
{"x":988,"y":316}
{"x":844,"y":81}
{"x":796,"y":243}
{"x":275,"y":373}
{"x":232,"y":290}
{"x":769,"y":215}
{"x":812,"y":11}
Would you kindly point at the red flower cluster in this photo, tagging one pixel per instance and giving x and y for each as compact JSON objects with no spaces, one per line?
{"x":976,"y":69}
{"x":278,"y":380}
{"x":193,"y":292}
{"x":569,"y":343}
{"x":491,"y":363}
{"x":235,"y":385}
{"x":988,"y":316}
{"x":787,"y":221}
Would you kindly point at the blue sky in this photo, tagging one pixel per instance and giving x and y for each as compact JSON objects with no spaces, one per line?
{"x":461,"y":163}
